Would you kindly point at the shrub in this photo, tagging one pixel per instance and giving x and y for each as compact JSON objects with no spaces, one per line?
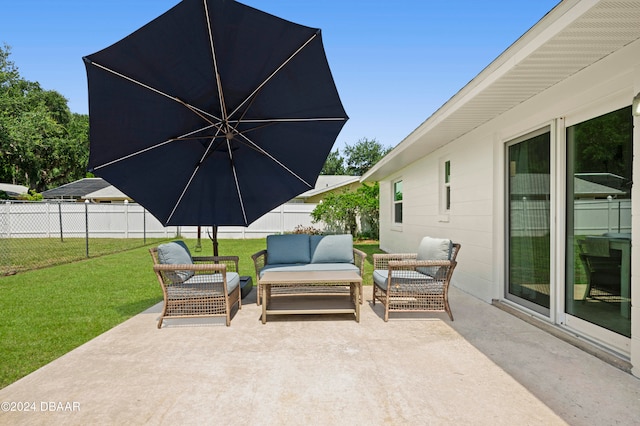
{"x":300,"y":229}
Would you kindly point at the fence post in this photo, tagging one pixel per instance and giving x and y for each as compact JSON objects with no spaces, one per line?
{"x":86,"y":227}
{"x":126,"y":218}
{"x":619,"y":215}
{"x":8,"y":204}
{"x":282,"y":218}
{"x":144,"y":225}
{"x":60,"y":220}
{"x":609,"y":206}
{"x":48,"y":219}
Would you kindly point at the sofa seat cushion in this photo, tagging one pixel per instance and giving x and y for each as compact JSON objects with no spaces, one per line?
{"x":331,"y":248}
{"x":175,"y":253}
{"x":289,"y":248}
{"x":197,"y":281}
{"x":310,"y":267}
{"x":407,"y":281}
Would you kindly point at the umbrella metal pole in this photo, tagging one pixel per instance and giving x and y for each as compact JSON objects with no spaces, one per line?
{"x":214,"y":239}
{"x":198,"y":243}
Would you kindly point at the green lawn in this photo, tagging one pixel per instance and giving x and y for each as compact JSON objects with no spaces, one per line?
{"x":47,"y":312}
{"x":24,"y":254}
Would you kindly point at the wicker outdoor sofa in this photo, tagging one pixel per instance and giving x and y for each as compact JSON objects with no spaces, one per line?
{"x":304,"y":253}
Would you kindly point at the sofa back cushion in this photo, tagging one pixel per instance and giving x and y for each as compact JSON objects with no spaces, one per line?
{"x":433,"y":249}
{"x":290,"y":248}
{"x":175,"y":253}
{"x":331,"y":248}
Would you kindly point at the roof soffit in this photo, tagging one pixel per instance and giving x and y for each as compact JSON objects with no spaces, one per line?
{"x":559,"y":46}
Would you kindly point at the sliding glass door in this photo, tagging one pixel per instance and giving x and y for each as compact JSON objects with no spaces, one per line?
{"x":598,"y":243}
{"x":528,"y":241}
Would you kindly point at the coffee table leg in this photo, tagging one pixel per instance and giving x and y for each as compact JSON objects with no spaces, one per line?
{"x":356,"y":302}
{"x":264,"y":304}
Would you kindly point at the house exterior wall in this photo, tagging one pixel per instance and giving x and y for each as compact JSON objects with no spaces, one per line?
{"x":469,"y":220}
{"x":478,"y":175}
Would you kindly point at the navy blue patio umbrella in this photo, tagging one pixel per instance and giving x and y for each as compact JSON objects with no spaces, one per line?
{"x":212,"y":114}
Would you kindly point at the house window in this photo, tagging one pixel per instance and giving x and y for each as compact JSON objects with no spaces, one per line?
{"x":447,"y":185}
{"x":397,"y":201}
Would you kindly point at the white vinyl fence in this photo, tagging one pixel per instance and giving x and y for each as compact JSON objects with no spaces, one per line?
{"x":31,"y":231}
{"x":129,"y":220}
{"x":592,"y":217}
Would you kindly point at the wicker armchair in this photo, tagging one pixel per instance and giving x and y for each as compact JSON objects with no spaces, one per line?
{"x":212,"y":288}
{"x":405,"y":284}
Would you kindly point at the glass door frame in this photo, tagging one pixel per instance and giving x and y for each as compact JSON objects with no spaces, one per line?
{"x":538,"y":310}
{"x":590,"y":331}
{"x":558,"y":210}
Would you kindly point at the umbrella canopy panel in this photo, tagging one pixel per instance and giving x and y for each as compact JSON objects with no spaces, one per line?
{"x":212,"y":114}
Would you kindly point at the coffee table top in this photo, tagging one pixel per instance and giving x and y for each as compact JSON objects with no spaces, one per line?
{"x":308,"y":277}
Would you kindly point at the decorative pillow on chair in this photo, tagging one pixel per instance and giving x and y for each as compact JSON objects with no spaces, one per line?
{"x":175,"y":253}
{"x":433,"y":249}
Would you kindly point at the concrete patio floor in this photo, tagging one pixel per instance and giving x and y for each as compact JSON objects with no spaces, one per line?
{"x":485,"y":368}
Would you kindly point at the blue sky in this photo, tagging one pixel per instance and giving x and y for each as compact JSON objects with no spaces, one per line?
{"x":394,"y":62}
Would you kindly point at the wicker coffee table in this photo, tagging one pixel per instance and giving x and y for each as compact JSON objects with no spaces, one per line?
{"x":314,"y":292}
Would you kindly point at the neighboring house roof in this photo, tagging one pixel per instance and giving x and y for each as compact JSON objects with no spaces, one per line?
{"x":77,"y":189}
{"x":328,"y":183}
{"x":571,"y":37}
{"x":524,"y":184}
{"x":108,"y":193}
{"x":13,"y":190}
{"x":584,"y":188}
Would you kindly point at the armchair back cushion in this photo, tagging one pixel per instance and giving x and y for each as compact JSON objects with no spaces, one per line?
{"x":176,"y":253}
{"x":433,"y":249}
{"x":331,"y":248}
{"x":289,"y":248}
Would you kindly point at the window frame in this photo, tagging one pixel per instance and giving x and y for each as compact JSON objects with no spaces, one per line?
{"x":445,"y":184}
{"x":395,"y":202}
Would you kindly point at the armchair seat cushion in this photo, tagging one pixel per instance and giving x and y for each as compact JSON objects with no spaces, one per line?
{"x":201,"y":280}
{"x":406,"y":280}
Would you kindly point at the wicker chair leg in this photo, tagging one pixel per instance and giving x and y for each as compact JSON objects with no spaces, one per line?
{"x":447,"y":308}
{"x":164,"y":312}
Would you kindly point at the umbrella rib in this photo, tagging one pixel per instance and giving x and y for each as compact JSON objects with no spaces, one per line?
{"x":263,"y":152}
{"x":192,"y":108}
{"x":235,"y":178}
{"x":193,"y":175}
{"x":142,"y":151}
{"x":289,"y":120}
{"x":223,"y":108}
{"x":294,"y":54}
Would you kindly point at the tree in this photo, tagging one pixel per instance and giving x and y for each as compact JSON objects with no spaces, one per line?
{"x":339,"y":211}
{"x":42,"y":144}
{"x":334,"y":164}
{"x":363,"y":155}
{"x":359,"y":158}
